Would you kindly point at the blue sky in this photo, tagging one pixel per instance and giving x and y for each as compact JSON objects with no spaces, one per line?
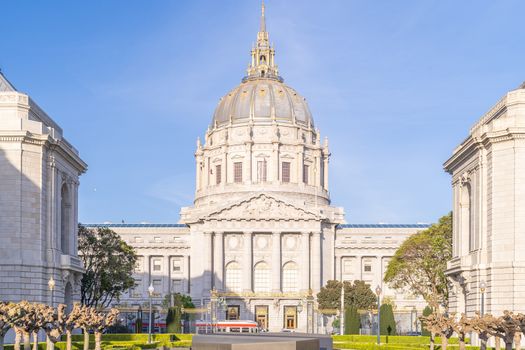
{"x":395,"y":85}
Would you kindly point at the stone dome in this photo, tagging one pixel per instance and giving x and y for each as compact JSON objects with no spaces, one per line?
{"x":262,"y":100}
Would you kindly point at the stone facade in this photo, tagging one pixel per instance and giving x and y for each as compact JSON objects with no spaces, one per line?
{"x":488,"y":184}
{"x":39,"y":173}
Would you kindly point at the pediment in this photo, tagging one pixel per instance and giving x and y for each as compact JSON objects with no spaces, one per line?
{"x":262,"y":207}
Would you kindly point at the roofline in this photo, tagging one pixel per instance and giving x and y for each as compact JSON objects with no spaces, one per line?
{"x":384,"y":226}
{"x":110,"y":225}
{"x":94,"y":225}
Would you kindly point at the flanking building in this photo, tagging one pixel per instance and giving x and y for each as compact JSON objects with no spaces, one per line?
{"x":488,"y":185}
{"x":262,"y":235}
{"x":39,"y":173}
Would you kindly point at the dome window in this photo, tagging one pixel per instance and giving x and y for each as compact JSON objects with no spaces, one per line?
{"x":262,"y":59}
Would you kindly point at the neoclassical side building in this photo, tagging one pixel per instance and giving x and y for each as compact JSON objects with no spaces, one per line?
{"x":488,"y":186}
{"x":262,"y":232}
{"x":39,"y":171}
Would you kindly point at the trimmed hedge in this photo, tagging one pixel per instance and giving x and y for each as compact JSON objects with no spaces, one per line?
{"x":393,"y":339}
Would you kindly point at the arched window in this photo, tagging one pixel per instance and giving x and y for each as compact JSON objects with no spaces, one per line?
{"x":467,"y":231}
{"x":290,"y":277}
{"x":233,"y":277}
{"x":68,"y":297}
{"x":261,"y":277}
{"x":65,"y":219}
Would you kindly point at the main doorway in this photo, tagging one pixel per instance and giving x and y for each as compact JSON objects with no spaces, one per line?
{"x":261,"y":316}
{"x":290,"y":317}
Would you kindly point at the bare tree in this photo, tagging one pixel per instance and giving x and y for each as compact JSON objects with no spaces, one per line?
{"x":71,"y":322}
{"x":462,"y":327}
{"x":438,"y":323}
{"x":480,"y":325}
{"x":4,"y":322}
{"x":54,"y":325}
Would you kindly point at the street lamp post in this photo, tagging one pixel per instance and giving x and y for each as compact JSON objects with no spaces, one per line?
{"x":151,"y":290}
{"x":342,"y":314}
{"x":51,"y":284}
{"x":378,"y":292}
{"x":482,"y":287}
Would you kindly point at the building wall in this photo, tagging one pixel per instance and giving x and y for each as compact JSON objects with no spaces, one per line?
{"x":205,"y":256}
{"x":488,"y":182}
{"x":36,"y":163}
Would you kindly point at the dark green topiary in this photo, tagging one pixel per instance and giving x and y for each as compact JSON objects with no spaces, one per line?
{"x":424,"y":332}
{"x":173,"y":320}
{"x":352,"y":320}
{"x":388,"y":323}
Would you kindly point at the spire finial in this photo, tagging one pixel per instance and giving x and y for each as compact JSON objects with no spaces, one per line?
{"x":263,"y":19}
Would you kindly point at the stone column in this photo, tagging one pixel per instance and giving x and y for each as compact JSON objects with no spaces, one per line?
{"x":168,"y":266}
{"x":316,"y":261}
{"x":325,"y":170}
{"x":208,"y":265}
{"x":249,"y":161}
{"x":247,"y":262}
{"x":304,"y":263}
{"x":218,"y":261}
{"x":276,"y":262}
{"x":188,"y":273}
{"x":147,"y":269}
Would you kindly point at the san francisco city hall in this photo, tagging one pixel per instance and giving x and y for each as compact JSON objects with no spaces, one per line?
{"x":262,"y":234}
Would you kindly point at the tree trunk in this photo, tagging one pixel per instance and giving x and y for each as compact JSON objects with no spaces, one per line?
{"x":483,"y":339}
{"x":49,"y":343}
{"x":508,"y":346}
{"x":432,"y":340}
{"x":98,"y":341}
{"x":68,"y":339}
{"x":35,"y":340}
{"x":27,"y":341}
{"x":86,"y":338}
{"x":497,"y":342}
{"x":444,"y":342}
{"x":461,"y":342}
{"x":517,"y":341}
{"x":18,"y":336}
{"x":1,"y":341}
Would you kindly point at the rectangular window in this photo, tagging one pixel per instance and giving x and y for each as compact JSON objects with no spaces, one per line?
{"x":176,"y":286}
{"x":157,"y":284}
{"x":237,"y":172}
{"x":367,"y":267}
{"x":157,"y":239}
{"x":233,"y":312}
{"x":285,"y":172}
{"x":261,"y":171}
{"x":134,"y":292}
{"x":139,"y":265}
{"x":176,"y":266}
{"x":347,"y":266}
{"x":218,"y":174}
{"x":157,"y":264}
{"x":305,"y":174}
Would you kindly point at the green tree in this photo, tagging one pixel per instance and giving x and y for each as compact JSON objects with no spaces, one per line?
{"x":388,"y":321}
{"x":352,"y":320}
{"x":175,"y":302}
{"x":357,"y":294}
{"x":109,"y":263}
{"x":420,"y":262}
{"x":427,"y":311}
{"x":173,"y":320}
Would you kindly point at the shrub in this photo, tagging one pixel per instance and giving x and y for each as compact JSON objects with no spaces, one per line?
{"x":352,"y":320}
{"x":388,"y":323}
{"x":427,"y":311}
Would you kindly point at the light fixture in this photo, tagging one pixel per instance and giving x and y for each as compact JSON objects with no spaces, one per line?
{"x":378,"y":290}
{"x":482,"y":286}
{"x":51,"y":283}
{"x":300,"y":307}
{"x":151,"y":289}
